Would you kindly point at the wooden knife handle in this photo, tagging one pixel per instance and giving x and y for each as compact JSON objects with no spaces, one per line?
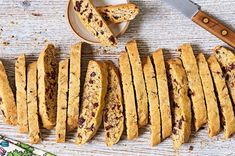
{"x":215,"y":27}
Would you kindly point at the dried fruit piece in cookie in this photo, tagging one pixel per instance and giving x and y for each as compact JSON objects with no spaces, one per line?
{"x":163,"y":93}
{"x":74,"y":86}
{"x":226,"y":108}
{"x":139,"y":84}
{"x":195,"y":85}
{"x":226,"y":59}
{"x":62,"y":100}
{"x":92,"y":104}
{"x":182,"y":115}
{"x":154,"y":112}
{"x":33,"y":119}
{"x":7,"y":100}
{"x":129,"y":97}
{"x":113,"y":117}
{"x":119,"y":13}
{"x":210,"y":97}
{"x":93,"y":21}
{"x":47,"y":86}
{"x":20,"y":82}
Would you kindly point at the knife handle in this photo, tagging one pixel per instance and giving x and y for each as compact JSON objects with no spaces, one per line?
{"x":215,"y":27}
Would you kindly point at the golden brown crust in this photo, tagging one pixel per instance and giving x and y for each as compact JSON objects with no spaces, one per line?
{"x":7,"y":100}
{"x":163,"y":93}
{"x":128,"y":96}
{"x":154,"y":112}
{"x":74,"y":87}
{"x":62,"y":100}
{"x":195,"y":86}
{"x":228,"y":118}
{"x":139,"y":84}
{"x":182,"y":104}
{"x":20,"y":82}
{"x":210,"y":98}
{"x":92,"y":103}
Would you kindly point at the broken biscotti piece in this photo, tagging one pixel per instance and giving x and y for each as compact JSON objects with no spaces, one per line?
{"x":20,"y":82}
{"x":119,"y":13}
{"x":228,"y":118}
{"x":92,"y":104}
{"x":7,"y":100}
{"x":139,"y":84}
{"x":74,"y":87}
{"x":113,"y":116}
{"x":154,"y":112}
{"x":226,"y":59}
{"x":195,"y":85}
{"x":62,"y":100}
{"x":163,"y":93}
{"x":47,"y":86}
{"x":129,"y":97}
{"x":93,"y":21}
{"x":33,"y":118}
{"x":210,"y":97}
{"x":182,"y":115}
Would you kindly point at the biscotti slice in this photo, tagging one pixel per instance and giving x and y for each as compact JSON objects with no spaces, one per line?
{"x":7,"y":100}
{"x":20,"y":82}
{"x":74,"y":87}
{"x":226,"y":59}
{"x":129,"y":97}
{"x":228,"y":118}
{"x":182,"y":115}
{"x":94,"y":91}
{"x":47,"y":86}
{"x":113,"y":116}
{"x":62,"y":100}
{"x":139,"y":84}
{"x":210,"y":98}
{"x":195,"y":85}
{"x":33,"y":119}
{"x":163,"y":93}
{"x":93,"y":21}
{"x":154,"y":112}
{"x":119,"y":13}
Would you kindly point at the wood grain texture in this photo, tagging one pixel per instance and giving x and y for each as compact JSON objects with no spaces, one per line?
{"x":26,"y":26}
{"x":215,"y":27}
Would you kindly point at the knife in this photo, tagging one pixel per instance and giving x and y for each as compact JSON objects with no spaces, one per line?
{"x":193,"y":11}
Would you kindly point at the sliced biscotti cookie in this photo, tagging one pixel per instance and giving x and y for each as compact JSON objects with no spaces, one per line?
{"x":210,"y":98}
{"x":129,"y":97}
{"x":20,"y":82}
{"x":74,"y":86}
{"x":226,"y":59}
{"x":154,"y":112}
{"x":182,"y":115}
{"x":33,"y":119}
{"x":119,"y":13}
{"x":195,"y":85}
{"x":163,"y":93}
{"x":94,"y":22}
{"x":228,"y":118}
{"x":113,"y":116}
{"x":47,"y":86}
{"x":7,"y":100}
{"x":62,"y":100}
{"x":94,"y":91}
{"x":139,"y":84}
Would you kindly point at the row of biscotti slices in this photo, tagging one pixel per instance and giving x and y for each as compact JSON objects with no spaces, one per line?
{"x":94,"y":18}
{"x":191,"y":81}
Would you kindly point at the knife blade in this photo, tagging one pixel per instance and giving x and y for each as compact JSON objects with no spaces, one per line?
{"x":212,"y":25}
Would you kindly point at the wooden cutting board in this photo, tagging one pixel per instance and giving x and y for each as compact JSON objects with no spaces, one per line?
{"x":27,"y":26}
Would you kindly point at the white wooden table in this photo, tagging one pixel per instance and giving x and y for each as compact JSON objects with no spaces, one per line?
{"x":27,"y":26}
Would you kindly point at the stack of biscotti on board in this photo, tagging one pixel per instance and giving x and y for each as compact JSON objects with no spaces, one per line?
{"x":92,"y":18}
